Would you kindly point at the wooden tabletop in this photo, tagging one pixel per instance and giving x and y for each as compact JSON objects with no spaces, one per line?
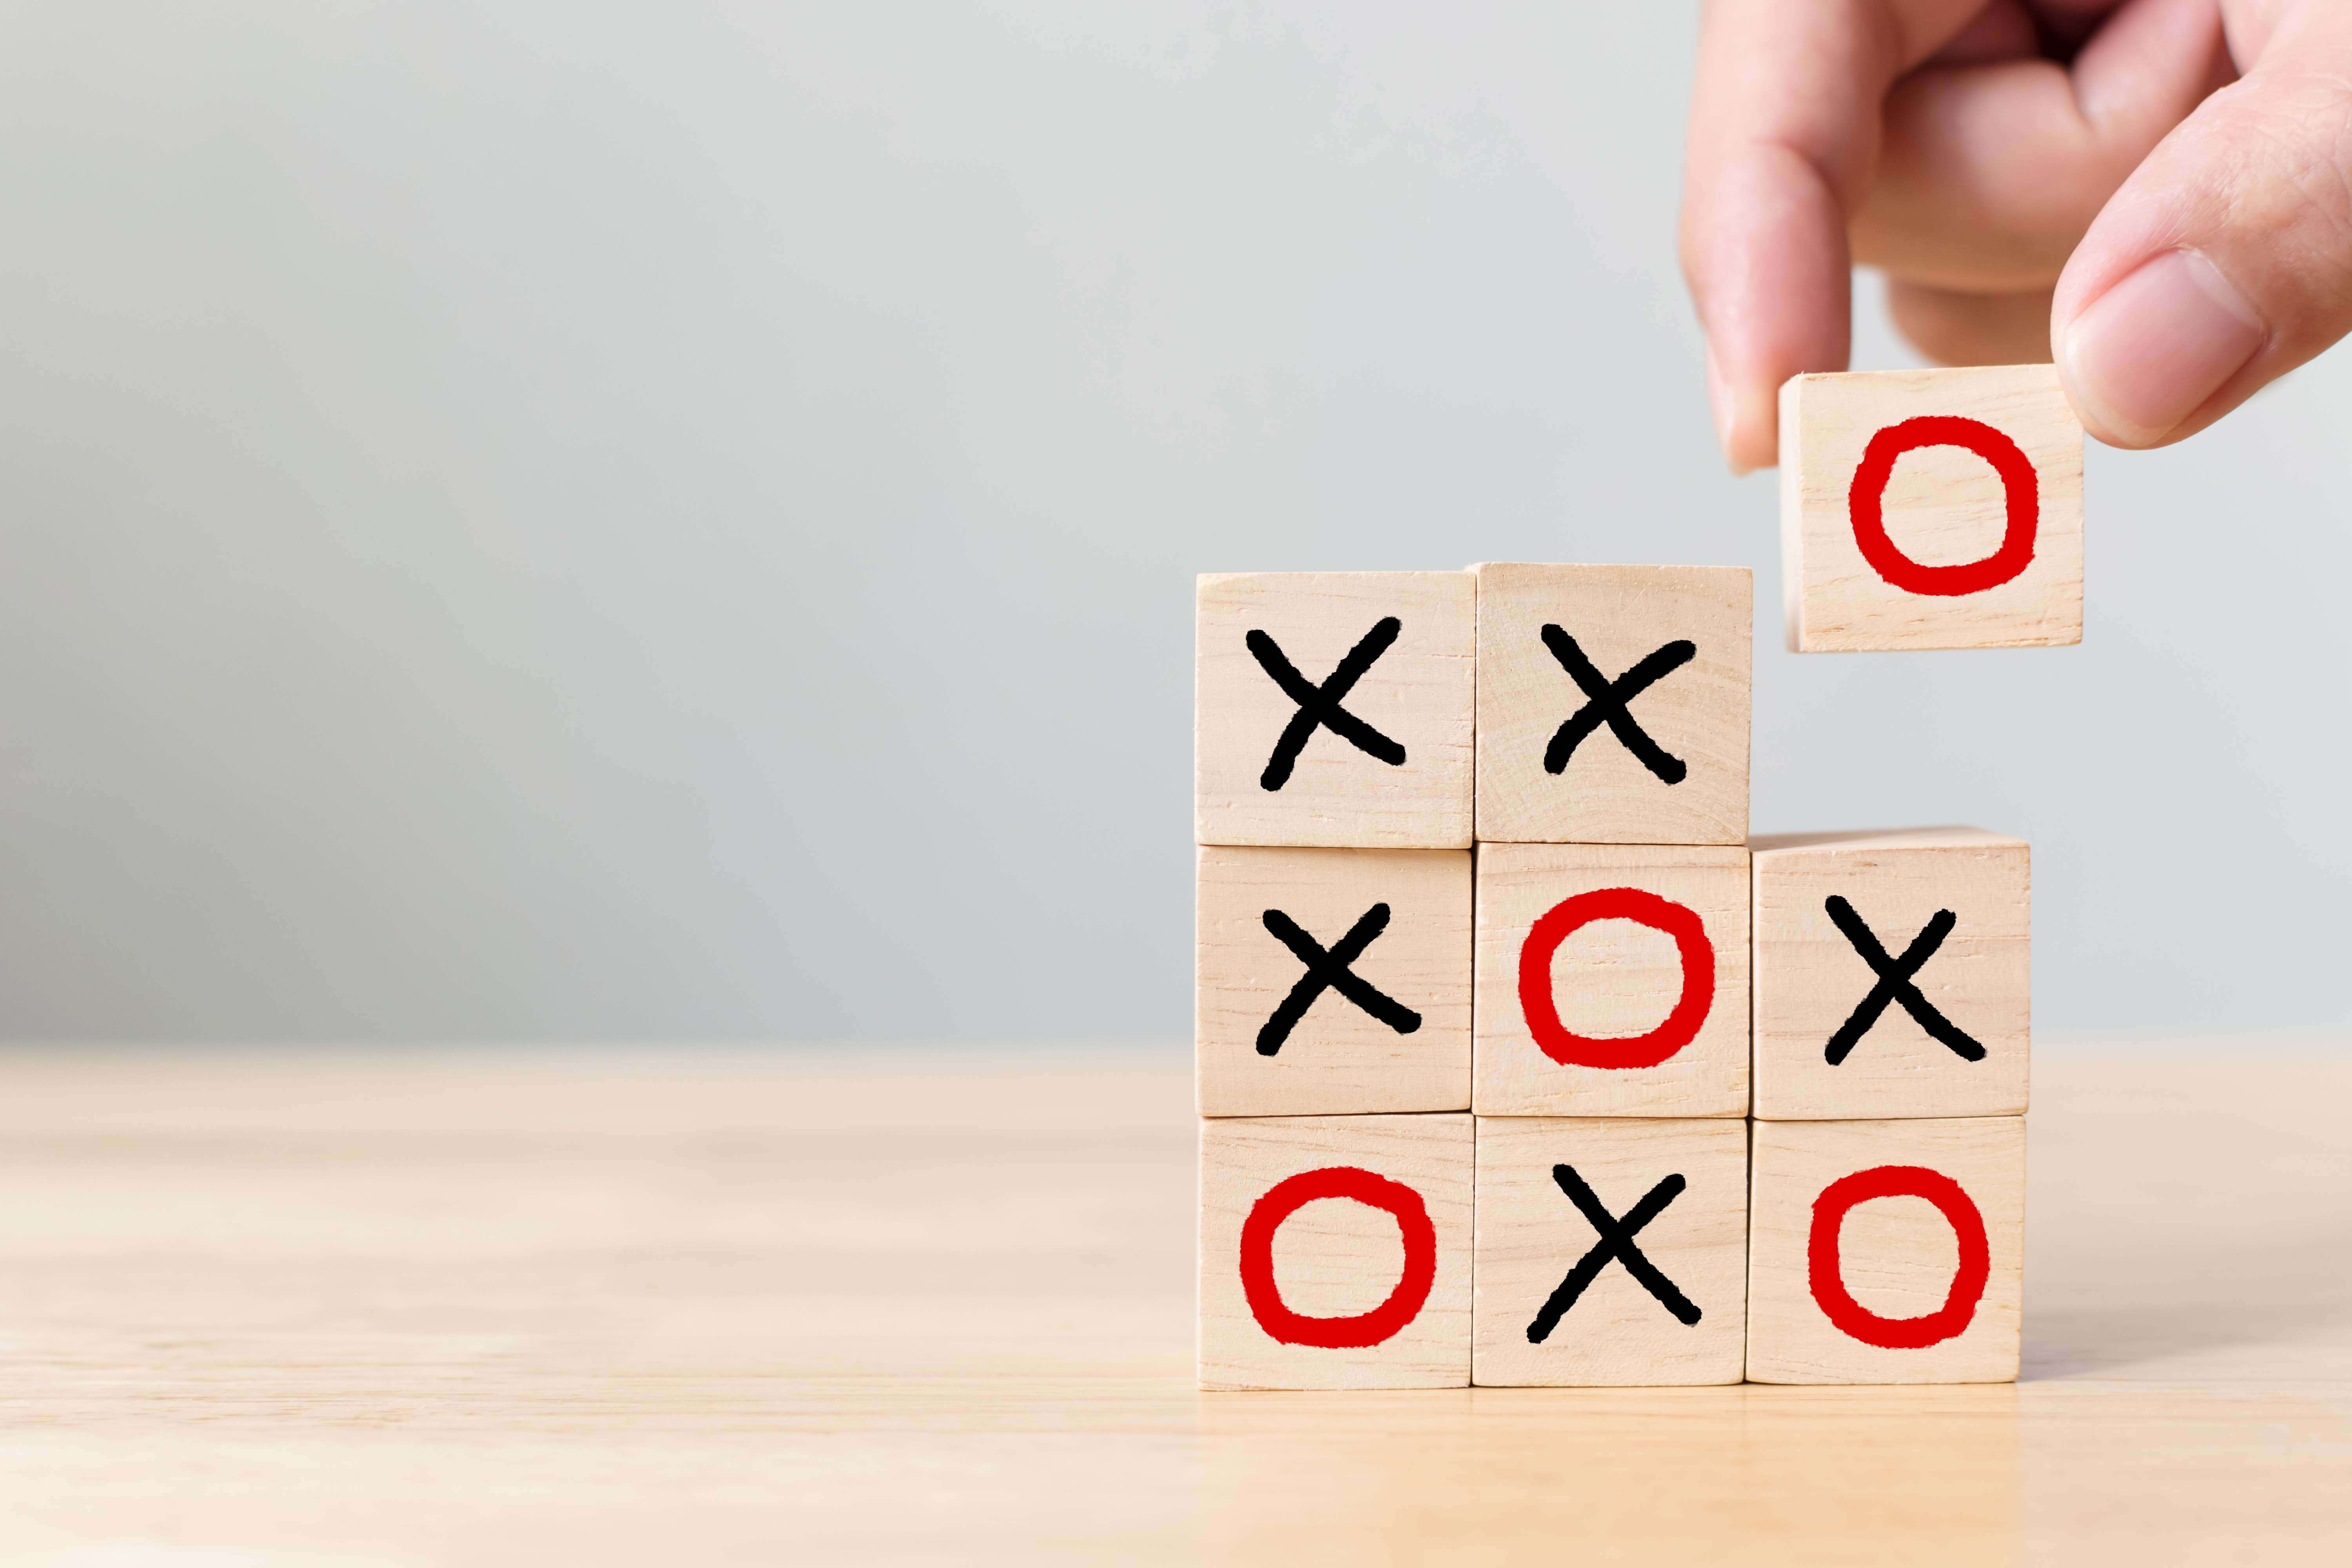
{"x":891,"y":1306}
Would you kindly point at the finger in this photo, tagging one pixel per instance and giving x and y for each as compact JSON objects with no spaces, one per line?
{"x":1954,"y":328}
{"x":1990,"y":174}
{"x":1784,"y":138}
{"x":2226,"y":260}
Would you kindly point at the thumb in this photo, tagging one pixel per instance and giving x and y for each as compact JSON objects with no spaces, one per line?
{"x":2225,"y":260}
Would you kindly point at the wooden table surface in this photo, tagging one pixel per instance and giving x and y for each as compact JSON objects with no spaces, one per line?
{"x":885,"y":1306}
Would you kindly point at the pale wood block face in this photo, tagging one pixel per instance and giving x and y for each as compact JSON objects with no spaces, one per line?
{"x":1963,"y":531}
{"x":1335,"y":1252}
{"x":1613,"y":703}
{"x":1886,"y":1251}
{"x":1334,"y":708}
{"x":1612,"y":980}
{"x":1892,"y":974}
{"x":1333,"y":981}
{"x":1561,"y":1301}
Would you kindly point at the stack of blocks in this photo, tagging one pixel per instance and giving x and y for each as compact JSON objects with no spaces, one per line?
{"x":1519,"y":1062}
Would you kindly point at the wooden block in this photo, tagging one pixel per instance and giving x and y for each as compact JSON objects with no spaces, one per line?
{"x":1931,"y":509}
{"x":1613,"y":703}
{"x":1332,"y":981}
{"x":1334,"y":708}
{"x":1610,"y":1252}
{"x":1886,"y":1251}
{"x":1892,"y":974}
{"x":1612,"y":981}
{"x":1335,"y":1252}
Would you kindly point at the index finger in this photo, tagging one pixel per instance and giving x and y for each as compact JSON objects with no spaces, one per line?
{"x":1784,"y":135}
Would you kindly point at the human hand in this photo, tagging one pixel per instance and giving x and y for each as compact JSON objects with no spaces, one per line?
{"x":2171,"y":211}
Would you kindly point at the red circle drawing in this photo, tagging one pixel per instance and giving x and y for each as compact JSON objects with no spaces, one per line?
{"x":1822,"y":1269}
{"x":1285,"y":1198}
{"x":2020,"y":489}
{"x":1568,"y":1049}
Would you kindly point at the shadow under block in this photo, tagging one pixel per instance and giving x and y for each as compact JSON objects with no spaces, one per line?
{"x":1332,"y":981}
{"x":1931,"y":509}
{"x":1612,"y":981}
{"x":1892,"y":974}
{"x":1613,"y":703}
{"x":1886,"y":1251}
{"x":1658,"y":1298}
{"x":1335,"y":1252}
{"x":1334,"y":708}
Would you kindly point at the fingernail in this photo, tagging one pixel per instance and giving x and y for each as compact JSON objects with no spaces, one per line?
{"x":1725,"y":406}
{"x":2150,"y":350}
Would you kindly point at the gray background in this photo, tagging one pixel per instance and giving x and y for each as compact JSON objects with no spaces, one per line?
{"x":532,"y":520}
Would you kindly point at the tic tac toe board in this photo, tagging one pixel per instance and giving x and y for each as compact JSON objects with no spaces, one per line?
{"x":1519,"y":1059}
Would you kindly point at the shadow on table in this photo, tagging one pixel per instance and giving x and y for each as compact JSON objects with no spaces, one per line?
{"x":2191,"y":1303}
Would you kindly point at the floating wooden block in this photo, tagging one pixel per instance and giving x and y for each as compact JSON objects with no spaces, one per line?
{"x":1613,"y":703}
{"x":1610,"y":1252}
{"x":1886,"y":1251}
{"x":1931,"y":509}
{"x":1334,"y":708}
{"x":1891,"y":975}
{"x":1333,"y":981}
{"x":1612,"y":981}
{"x":1335,"y":1252}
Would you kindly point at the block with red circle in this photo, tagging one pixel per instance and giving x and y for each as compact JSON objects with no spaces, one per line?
{"x":1886,"y":1251}
{"x":1611,"y":980}
{"x":1927,"y":508}
{"x":1335,"y":1251}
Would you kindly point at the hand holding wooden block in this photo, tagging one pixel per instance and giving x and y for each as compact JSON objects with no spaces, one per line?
{"x":1610,"y":1252}
{"x":1926,"y":509}
{"x":1612,"y":980}
{"x":1335,"y":1252}
{"x":1333,"y":981}
{"x":1613,"y":703}
{"x":1886,"y":1251}
{"x":1891,"y":975}
{"x":1334,"y":708}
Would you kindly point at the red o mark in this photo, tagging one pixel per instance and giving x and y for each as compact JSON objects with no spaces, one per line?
{"x":1822,"y":1270}
{"x":1572,"y":1050}
{"x":1285,"y":1198}
{"x":2020,"y":489}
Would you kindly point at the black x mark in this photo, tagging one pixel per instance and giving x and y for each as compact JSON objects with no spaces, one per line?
{"x":1330,"y":969}
{"x":1607,"y":704}
{"x":1894,"y":984}
{"x":1320,"y":705}
{"x":1616,"y":1241}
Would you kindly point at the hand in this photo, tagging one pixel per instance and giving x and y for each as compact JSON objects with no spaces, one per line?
{"x":2171,"y":211}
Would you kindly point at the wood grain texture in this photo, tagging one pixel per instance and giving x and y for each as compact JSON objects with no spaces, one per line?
{"x":1898,"y":1255}
{"x":1810,"y":978}
{"x":1611,"y":979}
{"x":1420,"y":693}
{"x":1697,"y":713}
{"x":1943,"y":506}
{"x":898,"y":1307}
{"x":1337,"y":1059}
{"x":1336,"y":1257}
{"x":1530,"y":1234}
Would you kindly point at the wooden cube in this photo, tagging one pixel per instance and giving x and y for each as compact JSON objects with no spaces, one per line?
{"x":1931,"y":509}
{"x":1612,"y":979}
{"x":1613,"y":703}
{"x":1610,"y":1252}
{"x":1334,"y":708}
{"x":1892,"y":974}
{"x":1886,"y":1251}
{"x":1335,"y":1252}
{"x":1332,"y":981}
